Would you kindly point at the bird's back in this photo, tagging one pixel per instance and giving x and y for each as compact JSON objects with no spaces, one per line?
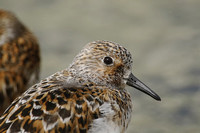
{"x":52,"y":106}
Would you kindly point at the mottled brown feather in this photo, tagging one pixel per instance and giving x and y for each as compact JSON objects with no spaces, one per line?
{"x":19,"y":58}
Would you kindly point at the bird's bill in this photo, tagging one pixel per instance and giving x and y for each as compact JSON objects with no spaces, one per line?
{"x":136,"y":83}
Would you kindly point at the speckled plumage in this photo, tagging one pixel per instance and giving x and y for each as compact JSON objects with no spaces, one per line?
{"x":19,"y":59}
{"x":89,"y":96}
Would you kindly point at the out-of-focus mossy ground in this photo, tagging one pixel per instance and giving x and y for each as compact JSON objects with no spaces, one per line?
{"x":163,"y":37}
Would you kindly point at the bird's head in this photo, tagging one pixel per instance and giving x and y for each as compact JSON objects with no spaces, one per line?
{"x":108,"y":64}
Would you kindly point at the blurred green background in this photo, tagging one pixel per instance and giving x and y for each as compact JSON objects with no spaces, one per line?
{"x":163,"y":37}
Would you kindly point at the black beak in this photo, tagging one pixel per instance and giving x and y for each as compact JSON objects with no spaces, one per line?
{"x":136,"y":83}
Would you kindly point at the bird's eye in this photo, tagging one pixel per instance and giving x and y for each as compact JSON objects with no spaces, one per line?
{"x":108,"y":60}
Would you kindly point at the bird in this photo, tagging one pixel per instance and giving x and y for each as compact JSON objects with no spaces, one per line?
{"x":19,"y":58}
{"x":89,"y":96}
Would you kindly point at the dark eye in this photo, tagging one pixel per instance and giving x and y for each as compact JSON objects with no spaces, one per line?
{"x":108,"y":60}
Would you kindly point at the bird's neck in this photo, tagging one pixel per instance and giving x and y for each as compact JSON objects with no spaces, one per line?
{"x":71,"y":78}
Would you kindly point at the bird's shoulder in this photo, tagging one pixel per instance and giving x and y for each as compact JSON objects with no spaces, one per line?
{"x":52,"y":105}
